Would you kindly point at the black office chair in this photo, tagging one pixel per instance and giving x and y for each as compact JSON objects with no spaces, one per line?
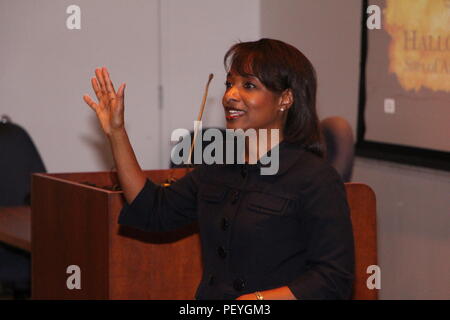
{"x":19,"y":158}
{"x":339,"y":145}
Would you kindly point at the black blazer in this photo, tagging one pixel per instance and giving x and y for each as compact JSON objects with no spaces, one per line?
{"x":260,"y":232}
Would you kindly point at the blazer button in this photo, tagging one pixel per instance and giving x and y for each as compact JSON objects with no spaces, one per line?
{"x":211,"y":280}
{"x":235,"y":197}
{"x":221,"y":251}
{"x":225,"y":224}
{"x":239,"y":284}
{"x":244,"y":172}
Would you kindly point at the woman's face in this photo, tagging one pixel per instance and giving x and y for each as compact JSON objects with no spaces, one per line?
{"x":249,"y":104}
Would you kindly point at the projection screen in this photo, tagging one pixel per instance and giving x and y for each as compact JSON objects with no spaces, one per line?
{"x":404,"y":112}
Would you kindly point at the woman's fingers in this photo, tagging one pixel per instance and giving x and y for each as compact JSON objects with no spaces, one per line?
{"x":110,"y":106}
{"x":109,"y":85}
{"x":121,"y":91}
{"x":104,"y":89}
{"x":90,"y":102}
{"x":101,"y":81}
{"x":96,"y":88}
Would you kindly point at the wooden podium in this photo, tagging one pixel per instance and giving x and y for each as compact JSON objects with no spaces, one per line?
{"x":74,"y":222}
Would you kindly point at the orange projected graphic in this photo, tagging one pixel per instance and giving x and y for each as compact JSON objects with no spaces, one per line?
{"x":419,"y":51}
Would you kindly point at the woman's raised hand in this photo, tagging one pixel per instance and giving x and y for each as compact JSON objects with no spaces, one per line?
{"x":110,"y":106}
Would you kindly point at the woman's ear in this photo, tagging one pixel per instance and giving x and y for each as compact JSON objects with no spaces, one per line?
{"x":286,"y":99}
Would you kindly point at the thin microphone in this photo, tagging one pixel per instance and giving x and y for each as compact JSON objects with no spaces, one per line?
{"x":200,"y":114}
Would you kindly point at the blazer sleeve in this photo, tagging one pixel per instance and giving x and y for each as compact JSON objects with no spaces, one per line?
{"x":330,"y":248}
{"x":158,"y":208}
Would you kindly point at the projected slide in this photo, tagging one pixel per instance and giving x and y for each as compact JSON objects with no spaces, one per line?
{"x":408,"y":75}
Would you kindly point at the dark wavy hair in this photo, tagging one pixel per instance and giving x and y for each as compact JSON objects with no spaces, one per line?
{"x":280,"y":66}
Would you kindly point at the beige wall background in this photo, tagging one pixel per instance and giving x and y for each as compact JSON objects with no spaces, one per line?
{"x":45,"y":69}
{"x":195,"y":35}
{"x":163,"y":49}
{"x":413,"y":202}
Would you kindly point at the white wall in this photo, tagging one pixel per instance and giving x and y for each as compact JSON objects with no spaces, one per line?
{"x":45,"y":69}
{"x":195,"y":36}
{"x":327,"y":32}
{"x":413,"y":228}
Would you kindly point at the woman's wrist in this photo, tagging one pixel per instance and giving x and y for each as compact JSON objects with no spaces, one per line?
{"x":117,"y":133}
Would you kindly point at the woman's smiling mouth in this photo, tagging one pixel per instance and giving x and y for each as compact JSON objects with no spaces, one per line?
{"x":231,"y":114}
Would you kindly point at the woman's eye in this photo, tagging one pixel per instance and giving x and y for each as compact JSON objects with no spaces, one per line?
{"x":249,"y":85}
{"x":227,"y":84}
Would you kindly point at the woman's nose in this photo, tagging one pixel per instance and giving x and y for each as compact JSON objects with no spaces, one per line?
{"x":232,"y":95}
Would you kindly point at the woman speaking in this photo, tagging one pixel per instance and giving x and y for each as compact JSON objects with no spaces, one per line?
{"x":282,"y":236}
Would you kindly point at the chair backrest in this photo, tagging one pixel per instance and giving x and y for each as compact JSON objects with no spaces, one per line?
{"x":362,"y":202}
{"x":340,"y":145}
{"x":19,"y":158}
